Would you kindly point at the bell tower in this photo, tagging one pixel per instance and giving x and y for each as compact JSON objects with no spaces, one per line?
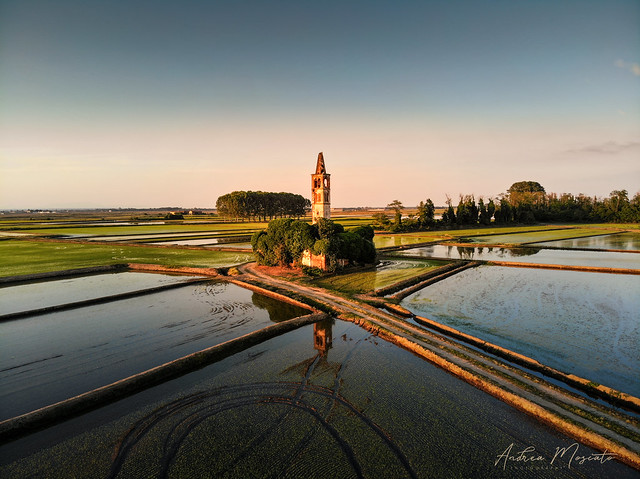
{"x":320,"y":191}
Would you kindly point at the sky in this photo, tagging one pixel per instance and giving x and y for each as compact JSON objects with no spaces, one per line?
{"x":174,"y":103}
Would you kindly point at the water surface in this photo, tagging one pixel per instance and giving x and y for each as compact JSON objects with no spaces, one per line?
{"x":207,"y":241}
{"x":627,"y":241}
{"x":596,"y":259}
{"x":26,"y":297}
{"x":538,"y":236}
{"x":288,"y":408}
{"x":587,"y":324}
{"x":48,"y":358}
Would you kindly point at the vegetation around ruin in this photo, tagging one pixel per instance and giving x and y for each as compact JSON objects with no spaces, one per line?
{"x":285,"y":240}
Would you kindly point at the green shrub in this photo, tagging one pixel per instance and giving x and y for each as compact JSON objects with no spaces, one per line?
{"x":284,"y":241}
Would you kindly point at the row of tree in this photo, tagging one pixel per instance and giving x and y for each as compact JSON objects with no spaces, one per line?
{"x":261,"y":205}
{"x":284,"y":241}
{"x":524,"y":202}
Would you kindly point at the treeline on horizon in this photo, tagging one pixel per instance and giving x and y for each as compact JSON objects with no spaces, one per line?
{"x":260,"y":205}
{"x":525,"y":202}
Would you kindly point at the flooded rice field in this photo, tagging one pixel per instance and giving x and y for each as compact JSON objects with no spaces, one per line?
{"x":598,"y":259}
{"x":144,"y":236}
{"x":626,"y":241}
{"x":51,"y":357}
{"x":386,"y":241}
{"x":27,"y":297}
{"x":538,"y":236}
{"x":387,"y":272}
{"x":587,"y":324}
{"x":354,"y":407}
{"x":205,"y":242}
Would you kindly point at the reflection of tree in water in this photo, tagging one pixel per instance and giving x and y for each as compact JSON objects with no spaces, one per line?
{"x":278,"y":310}
{"x":528,"y":251}
{"x":466,"y":252}
{"x":471,"y":252}
{"x":296,"y":420}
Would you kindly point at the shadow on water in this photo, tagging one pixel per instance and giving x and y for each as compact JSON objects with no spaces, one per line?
{"x":278,"y":310}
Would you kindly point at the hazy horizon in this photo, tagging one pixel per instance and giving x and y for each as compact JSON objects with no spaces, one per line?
{"x":136,"y":104}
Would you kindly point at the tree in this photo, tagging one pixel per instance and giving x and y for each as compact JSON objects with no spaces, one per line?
{"x":285,"y":240}
{"x":504,"y":212}
{"x":426,"y":212}
{"x":397,"y":207}
{"x":526,"y":187}
{"x":484,"y":217}
{"x":467,"y":212}
{"x":491,"y":209}
{"x":381,"y":221}
{"x":449,"y":215}
{"x":327,"y":228}
{"x":261,"y":205}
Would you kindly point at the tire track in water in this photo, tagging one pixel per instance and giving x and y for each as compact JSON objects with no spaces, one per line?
{"x":197,"y":408}
{"x":326,"y":414}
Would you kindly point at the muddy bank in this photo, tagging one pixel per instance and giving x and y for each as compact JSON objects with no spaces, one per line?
{"x":158,"y":268}
{"x":67,"y":273}
{"x":588,"y":269}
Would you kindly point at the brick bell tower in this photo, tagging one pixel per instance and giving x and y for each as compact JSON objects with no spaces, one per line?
{"x":320,"y":192}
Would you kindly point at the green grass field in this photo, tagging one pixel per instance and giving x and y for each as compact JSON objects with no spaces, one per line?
{"x":19,"y":257}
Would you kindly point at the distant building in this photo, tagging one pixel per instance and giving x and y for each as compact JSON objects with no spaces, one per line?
{"x":320,"y":191}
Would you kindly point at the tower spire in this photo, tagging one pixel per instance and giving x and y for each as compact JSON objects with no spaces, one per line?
{"x":320,"y":168}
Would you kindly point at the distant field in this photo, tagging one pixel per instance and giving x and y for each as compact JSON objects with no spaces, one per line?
{"x":119,"y":230}
{"x":388,"y":273}
{"x":494,"y":229}
{"x":385,"y":240}
{"x":18,"y":257}
{"x":538,"y":236}
{"x":23,"y":256}
{"x":105,"y":229}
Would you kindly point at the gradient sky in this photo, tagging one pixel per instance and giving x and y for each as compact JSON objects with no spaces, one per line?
{"x":174,"y":103}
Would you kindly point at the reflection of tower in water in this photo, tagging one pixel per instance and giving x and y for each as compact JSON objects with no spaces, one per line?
{"x":322,"y":336}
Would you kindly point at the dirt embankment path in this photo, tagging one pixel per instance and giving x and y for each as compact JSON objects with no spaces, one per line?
{"x":587,"y":421}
